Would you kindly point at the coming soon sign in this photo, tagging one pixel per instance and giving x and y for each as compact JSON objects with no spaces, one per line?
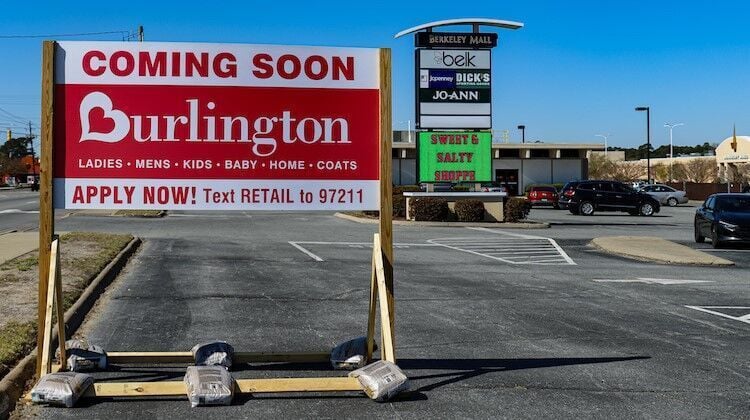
{"x":215,"y":126}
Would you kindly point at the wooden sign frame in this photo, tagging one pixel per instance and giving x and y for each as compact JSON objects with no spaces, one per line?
{"x":50,"y":282}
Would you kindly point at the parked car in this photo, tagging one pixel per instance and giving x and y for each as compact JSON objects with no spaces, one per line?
{"x":437,"y":186}
{"x":493,"y":187}
{"x":666,"y":194}
{"x":723,"y":218}
{"x":591,"y":196}
{"x":563,"y":197}
{"x":543,"y":196}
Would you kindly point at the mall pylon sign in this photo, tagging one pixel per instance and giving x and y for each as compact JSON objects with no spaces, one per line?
{"x":215,"y":126}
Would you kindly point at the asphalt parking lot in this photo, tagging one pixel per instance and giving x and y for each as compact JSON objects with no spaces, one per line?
{"x":489,"y":322}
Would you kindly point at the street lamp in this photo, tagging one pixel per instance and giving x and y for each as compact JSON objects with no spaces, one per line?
{"x":523,"y":133}
{"x":408,"y":129}
{"x":671,"y":147}
{"x":605,"y":137}
{"x":648,"y":140}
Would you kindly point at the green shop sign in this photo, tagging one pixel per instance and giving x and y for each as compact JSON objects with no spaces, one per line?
{"x":455,"y":157}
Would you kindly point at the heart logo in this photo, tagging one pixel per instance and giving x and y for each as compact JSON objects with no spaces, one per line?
{"x":101,"y":101}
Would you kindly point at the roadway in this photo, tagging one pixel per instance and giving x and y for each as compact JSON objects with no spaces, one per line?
{"x":19,"y":210}
{"x":490,"y":322}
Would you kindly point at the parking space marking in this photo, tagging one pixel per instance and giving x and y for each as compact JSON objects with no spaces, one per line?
{"x":516,"y":249}
{"x":298,"y":245}
{"x":17,"y":211}
{"x":305,"y":251}
{"x":528,"y":239}
{"x":710,"y":310}
{"x":722,"y":250}
{"x":648,"y":280}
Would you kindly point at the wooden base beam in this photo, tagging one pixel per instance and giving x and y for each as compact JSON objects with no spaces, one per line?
{"x":243,"y":386}
{"x":186,"y":357}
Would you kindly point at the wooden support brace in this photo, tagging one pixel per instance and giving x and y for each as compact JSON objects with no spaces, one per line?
{"x":371,"y":313}
{"x":186,"y":357}
{"x":386,"y":333}
{"x":243,"y":386}
{"x":60,"y":311}
{"x":49,"y":306}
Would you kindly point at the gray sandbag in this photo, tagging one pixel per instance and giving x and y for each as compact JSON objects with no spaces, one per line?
{"x":381,"y":380}
{"x":82,"y":356}
{"x":350,"y":355}
{"x":61,"y":388}
{"x":213,"y":353}
{"x":209,"y":385}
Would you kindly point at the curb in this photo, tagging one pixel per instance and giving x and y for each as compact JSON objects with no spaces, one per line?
{"x":505,"y":225}
{"x":13,"y":384}
{"x":654,"y":257}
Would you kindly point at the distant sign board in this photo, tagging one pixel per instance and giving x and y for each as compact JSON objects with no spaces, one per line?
{"x":455,"y":156}
{"x":455,"y":40}
{"x":215,"y":126}
{"x":454,"y":89}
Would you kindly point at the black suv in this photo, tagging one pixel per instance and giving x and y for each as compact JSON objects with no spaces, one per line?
{"x":590,"y":196}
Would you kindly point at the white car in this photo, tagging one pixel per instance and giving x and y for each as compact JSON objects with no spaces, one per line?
{"x":666,"y":194}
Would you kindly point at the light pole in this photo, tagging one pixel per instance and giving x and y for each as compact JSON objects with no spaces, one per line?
{"x":648,"y":140}
{"x":605,"y":137}
{"x":523,"y":133}
{"x":408,"y":129}
{"x":671,"y":146}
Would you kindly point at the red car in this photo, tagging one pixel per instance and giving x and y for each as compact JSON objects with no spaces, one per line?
{"x":543,"y":196}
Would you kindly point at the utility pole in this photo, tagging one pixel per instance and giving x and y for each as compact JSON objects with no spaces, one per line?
{"x":33,"y":155}
{"x":140,"y":33}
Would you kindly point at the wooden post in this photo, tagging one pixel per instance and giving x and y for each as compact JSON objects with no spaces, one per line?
{"x":46,"y":213}
{"x":386,"y":187}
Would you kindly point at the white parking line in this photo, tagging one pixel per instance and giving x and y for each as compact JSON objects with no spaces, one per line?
{"x":529,"y":251}
{"x":306,"y":251}
{"x":298,"y":245}
{"x":723,"y":250}
{"x":524,"y":242}
{"x":17,"y":211}
{"x":708,"y":309}
{"x":652,"y":281}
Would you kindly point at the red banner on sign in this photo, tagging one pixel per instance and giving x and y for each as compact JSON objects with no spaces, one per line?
{"x":215,"y":127}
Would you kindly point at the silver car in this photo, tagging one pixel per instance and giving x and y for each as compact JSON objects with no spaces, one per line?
{"x":666,"y":194}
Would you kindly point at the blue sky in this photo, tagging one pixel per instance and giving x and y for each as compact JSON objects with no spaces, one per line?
{"x":577,"y":68}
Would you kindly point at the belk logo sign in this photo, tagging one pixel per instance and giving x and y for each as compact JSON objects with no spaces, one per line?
{"x":455,"y":59}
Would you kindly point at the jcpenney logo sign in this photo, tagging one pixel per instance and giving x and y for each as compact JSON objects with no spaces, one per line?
{"x":454,"y":59}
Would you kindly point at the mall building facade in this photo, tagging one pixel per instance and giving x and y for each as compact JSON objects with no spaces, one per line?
{"x":514,"y":165}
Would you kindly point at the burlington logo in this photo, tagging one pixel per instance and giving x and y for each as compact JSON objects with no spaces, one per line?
{"x":102,"y":101}
{"x":200,"y":123}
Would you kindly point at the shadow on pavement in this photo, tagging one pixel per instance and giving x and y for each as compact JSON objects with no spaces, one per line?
{"x":454,"y":370}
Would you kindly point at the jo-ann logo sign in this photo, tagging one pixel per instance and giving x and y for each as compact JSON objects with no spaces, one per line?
{"x":198,"y":126}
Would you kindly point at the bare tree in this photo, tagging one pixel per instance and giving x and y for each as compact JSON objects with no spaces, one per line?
{"x":701,"y":170}
{"x":628,"y":171}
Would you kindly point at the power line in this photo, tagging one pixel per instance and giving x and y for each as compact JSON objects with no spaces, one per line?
{"x":124,"y":33}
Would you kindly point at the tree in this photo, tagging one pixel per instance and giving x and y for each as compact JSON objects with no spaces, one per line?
{"x":599,"y":166}
{"x":629,"y":171}
{"x":10,"y":166}
{"x":15,"y":148}
{"x":661,"y":172}
{"x":700,"y":170}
